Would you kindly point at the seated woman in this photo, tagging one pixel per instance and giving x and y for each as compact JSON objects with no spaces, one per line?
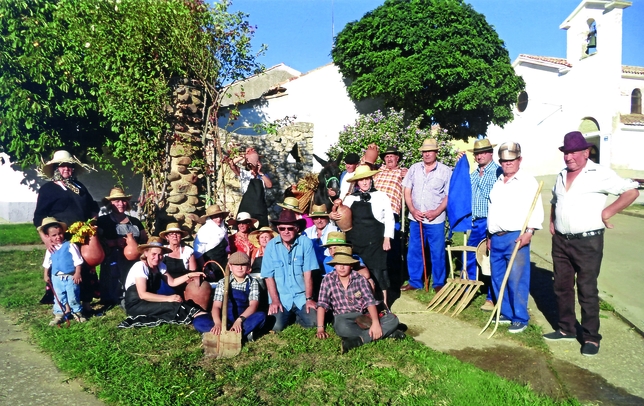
{"x":239,"y":241}
{"x":146,"y":308}
{"x":113,"y":229}
{"x":181,"y":261}
{"x":211,"y":243}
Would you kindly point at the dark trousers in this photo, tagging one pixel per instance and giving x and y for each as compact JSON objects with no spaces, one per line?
{"x":581,"y":258}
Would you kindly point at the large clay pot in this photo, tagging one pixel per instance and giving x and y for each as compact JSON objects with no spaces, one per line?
{"x":371,"y":154}
{"x":130,"y":251}
{"x":252,"y":157}
{"x":92,"y":252}
{"x":346,"y":221}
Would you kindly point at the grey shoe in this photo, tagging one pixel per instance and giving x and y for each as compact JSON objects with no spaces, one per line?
{"x":517,"y":327}
{"x":559,"y":336}
{"x":502,"y":320}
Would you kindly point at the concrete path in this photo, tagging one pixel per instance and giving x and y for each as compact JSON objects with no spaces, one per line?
{"x":28,"y":376}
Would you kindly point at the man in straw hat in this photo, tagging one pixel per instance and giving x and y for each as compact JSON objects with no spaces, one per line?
{"x":510,"y":201}
{"x":389,"y":181}
{"x":350,"y":296}
{"x":319,"y":231}
{"x":577,"y":223}
{"x":426,"y":187}
{"x":482,"y":179}
{"x":286,"y":267}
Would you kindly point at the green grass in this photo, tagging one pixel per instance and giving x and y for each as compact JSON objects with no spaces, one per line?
{"x":18,"y":234}
{"x":165,"y":365}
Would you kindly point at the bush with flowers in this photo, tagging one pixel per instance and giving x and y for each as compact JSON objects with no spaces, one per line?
{"x":392,"y":129}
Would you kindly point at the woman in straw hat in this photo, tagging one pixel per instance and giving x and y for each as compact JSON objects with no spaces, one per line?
{"x":113,"y":228}
{"x":373,"y":226}
{"x":211,"y":242}
{"x":69,"y":201}
{"x":259,"y":239}
{"x":180,"y":261}
{"x":239,"y":241}
{"x":143,"y":305}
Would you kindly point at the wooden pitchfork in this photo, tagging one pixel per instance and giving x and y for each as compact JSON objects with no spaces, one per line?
{"x":497,"y":308}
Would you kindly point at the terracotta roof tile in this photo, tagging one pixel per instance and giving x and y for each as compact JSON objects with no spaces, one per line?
{"x":556,"y":61}
{"x":632,"y":119}
{"x":634,"y":70}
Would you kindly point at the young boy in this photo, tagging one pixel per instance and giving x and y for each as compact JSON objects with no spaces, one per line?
{"x":349,"y":295}
{"x":243,"y":300}
{"x":65,"y":263}
{"x":337,"y":242}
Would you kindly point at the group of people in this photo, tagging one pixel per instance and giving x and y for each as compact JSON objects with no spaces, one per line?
{"x":305,"y":266}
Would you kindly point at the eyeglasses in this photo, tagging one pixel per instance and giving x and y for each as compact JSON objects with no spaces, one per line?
{"x":286,"y":228}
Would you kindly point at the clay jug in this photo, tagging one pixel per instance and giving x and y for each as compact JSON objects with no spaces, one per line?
{"x":92,"y":252}
{"x":346,"y":222}
{"x":371,"y":154}
{"x":130,"y":251}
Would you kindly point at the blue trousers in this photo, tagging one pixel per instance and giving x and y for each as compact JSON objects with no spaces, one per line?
{"x":67,"y":292}
{"x":255,"y":321}
{"x":434,"y":240}
{"x":478,"y":234}
{"x":304,"y":319}
{"x":515,"y":298}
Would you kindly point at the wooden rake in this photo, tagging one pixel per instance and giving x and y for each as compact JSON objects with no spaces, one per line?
{"x":497,"y":308}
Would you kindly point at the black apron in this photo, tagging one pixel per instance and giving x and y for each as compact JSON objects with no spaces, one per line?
{"x":253,"y":202}
{"x":218,"y":254}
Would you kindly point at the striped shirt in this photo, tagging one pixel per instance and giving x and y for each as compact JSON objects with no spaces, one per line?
{"x":481,"y":187}
{"x":390,"y":182}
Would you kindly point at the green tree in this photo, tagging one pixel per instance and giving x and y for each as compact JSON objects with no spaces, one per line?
{"x":439,"y":58}
{"x":391,"y":129}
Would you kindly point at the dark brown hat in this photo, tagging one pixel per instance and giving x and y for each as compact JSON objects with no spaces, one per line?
{"x":289,"y":217}
{"x":391,"y":150}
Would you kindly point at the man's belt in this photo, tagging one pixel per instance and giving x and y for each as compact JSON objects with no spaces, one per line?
{"x":581,"y":235}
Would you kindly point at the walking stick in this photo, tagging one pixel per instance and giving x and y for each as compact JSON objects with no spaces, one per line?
{"x":497,"y":308}
{"x":422,"y":248}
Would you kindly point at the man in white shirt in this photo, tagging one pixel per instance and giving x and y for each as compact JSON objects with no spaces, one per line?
{"x":577,"y":222}
{"x":510,"y":201}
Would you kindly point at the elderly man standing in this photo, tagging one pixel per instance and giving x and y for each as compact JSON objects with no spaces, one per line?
{"x":577,"y":222}
{"x":389,"y":180}
{"x":510,"y":201}
{"x":426,"y":187}
{"x":482,"y":179}
{"x":287,"y":265}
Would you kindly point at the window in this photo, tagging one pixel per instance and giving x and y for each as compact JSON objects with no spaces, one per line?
{"x":636,"y":102}
{"x":591,"y":39}
{"x":522,"y":102}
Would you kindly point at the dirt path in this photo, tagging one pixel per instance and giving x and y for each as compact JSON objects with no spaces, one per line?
{"x":29,"y":377}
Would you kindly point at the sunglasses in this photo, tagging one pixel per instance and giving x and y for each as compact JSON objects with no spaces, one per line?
{"x":286,"y":228}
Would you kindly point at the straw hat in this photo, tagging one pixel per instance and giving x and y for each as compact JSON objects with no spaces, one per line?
{"x":343,"y":256}
{"x":239,"y":258}
{"x":153,"y":242}
{"x":51,"y":220}
{"x":483,"y":145}
{"x":242,"y":217}
{"x":254,"y":236}
{"x":363,"y":172}
{"x":116,"y":193}
{"x":291,"y":203}
{"x":318,"y":211}
{"x":62,"y":156}
{"x":288,"y":217}
{"x":483,"y":257}
{"x":214,"y":210}
{"x":336,"y":238}
{"x":429,"y":144}
{"x":173,"y":228}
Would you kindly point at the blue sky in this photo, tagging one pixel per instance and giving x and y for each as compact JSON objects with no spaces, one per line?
{"x":299,"y":32}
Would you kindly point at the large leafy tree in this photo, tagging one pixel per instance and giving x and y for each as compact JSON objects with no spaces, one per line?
{"x":437,"y":58}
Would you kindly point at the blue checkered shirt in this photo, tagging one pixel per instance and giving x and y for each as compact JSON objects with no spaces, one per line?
{"x":481,"y":187}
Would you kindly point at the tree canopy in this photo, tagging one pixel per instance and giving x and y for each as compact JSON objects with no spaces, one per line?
{"x":437,"y":58}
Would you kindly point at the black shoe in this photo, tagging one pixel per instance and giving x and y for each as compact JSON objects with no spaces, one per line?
{"x":397,"y":335}
{"x":590,"y":349}
{"x":402,"y":327}
{"x":250,"y":337}
{"x":349,"y":344}
{"x":559,"y":336}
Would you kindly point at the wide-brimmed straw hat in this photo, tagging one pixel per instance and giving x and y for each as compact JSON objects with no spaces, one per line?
{"x":318,"y":211}
{"x":429,"y":144}
{"x":214,"y":210}
{"x":343,"y":256}
{"x":51,"y":220}
{"x":243,"y":217}
{"x":336,"y":238}
{"x":60,"y":157}
{"x":173,"y":228}
{"x":482,"y":146}
{"x":291,"y":203}
{"x":116,"y":193}
{"x":574,"y":141}
{"x":288,"y":217}
{"x":391,"y":150}
{"x":254,"y":236}
{"x":362,"y":172}
{"x":483,"y":257}
{"x":153,"y":242}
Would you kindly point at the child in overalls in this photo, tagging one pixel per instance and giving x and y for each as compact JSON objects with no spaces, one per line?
{"x":243,"y":301}
{"x":65,"y":263}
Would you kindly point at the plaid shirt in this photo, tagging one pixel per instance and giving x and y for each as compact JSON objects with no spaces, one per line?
{"x":481,"y":187}
{"x":390,"y":182}
{"x":252,"y":295}
{"x":354,"y":299}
